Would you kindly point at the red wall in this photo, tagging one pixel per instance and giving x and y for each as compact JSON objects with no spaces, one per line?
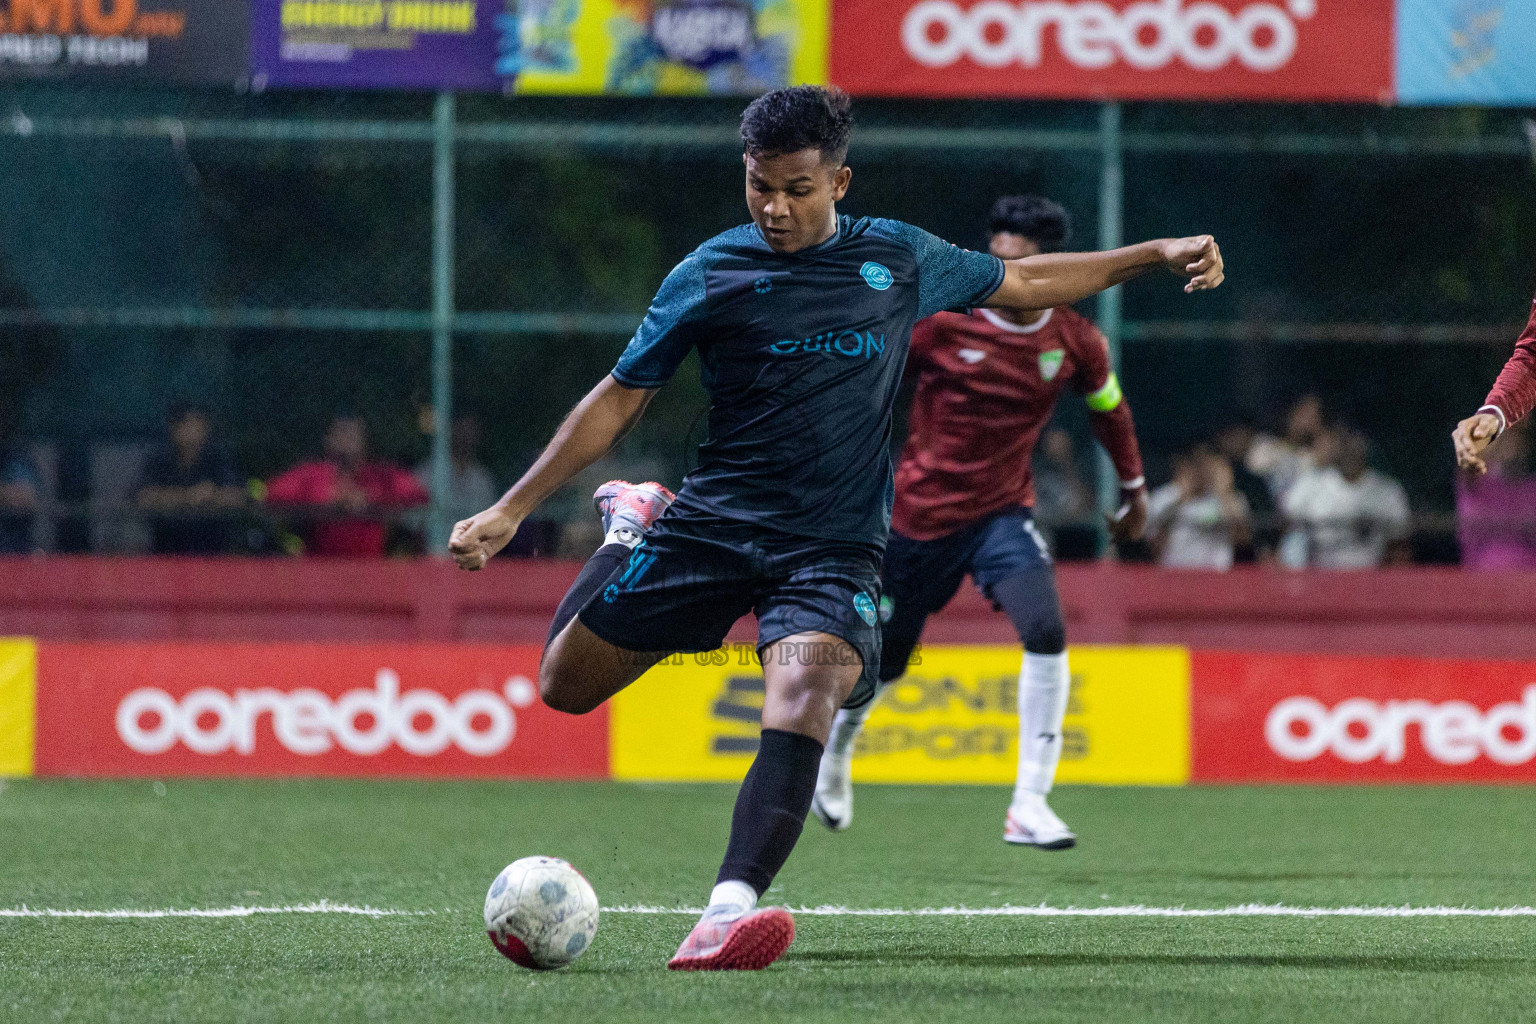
{"x":1444,"y":612}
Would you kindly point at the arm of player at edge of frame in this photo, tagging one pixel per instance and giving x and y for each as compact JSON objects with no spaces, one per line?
{"x":1062,"y":278}
{"x":590,"y":430}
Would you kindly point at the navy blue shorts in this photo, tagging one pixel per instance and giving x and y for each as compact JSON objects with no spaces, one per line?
{"x":921,"y":576}
{"x":696,"y":573}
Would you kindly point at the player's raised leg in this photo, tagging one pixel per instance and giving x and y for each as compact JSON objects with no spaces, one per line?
{"x":807,"y":677}
{"x":579,"y":669}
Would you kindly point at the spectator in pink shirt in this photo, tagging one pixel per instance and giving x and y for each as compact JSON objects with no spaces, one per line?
{"x":1496,"y":513}
{"x":352,"y":494}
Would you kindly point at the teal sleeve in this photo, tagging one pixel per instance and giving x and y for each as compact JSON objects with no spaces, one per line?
{"x":668,"y":331}
{"x":948,"y":277}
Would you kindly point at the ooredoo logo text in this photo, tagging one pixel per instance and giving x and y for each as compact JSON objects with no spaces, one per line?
{"x":365,"y":722}
{"x":1359,"y":730}
{"x":1092,"y":35}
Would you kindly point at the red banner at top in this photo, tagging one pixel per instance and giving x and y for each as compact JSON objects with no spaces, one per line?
{"x":1089,"y":49}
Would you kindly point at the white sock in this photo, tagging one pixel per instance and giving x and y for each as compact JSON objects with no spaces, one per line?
{"x":738,"y":897}
{"x":846,"y":726}
{"x":623,"y":533}
{"x":1044,"y":683}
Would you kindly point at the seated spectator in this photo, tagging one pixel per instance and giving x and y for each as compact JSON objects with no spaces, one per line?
{"x":1343,"y":514}
{"x":1198,"y":520}
{"x":1064,"y":504}
{"x":352,"y":494}
{"x":20,"y":490}
{"x":1235,"y":443}
{"x":1282,"y":460}
{"x":190,"y":488}
{"x":1496,"y":513}
{"x":471,"y":489}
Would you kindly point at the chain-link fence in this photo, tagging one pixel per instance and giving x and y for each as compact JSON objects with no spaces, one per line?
{"x":271,"y":260}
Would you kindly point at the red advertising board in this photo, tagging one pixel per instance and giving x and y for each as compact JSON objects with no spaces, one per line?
{"x":1331,"y":718}
{"x":305,"y":709}
{"x":1091,"y":49}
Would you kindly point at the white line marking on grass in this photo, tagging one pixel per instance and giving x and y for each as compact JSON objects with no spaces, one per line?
{"x":1244,"y":910}
{"x":323,"y":907}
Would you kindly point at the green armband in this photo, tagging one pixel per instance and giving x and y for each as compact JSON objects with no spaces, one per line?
{"x":1107,"y":398}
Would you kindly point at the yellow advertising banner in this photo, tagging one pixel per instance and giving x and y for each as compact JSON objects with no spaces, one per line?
{"x":953,"y":718}
{"x":712,"y":47}
{"x":18,"y":695}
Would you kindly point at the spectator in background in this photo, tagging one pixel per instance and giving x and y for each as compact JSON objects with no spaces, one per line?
{"x":1282,"y":460}
{"x":1064,"y":503}
{"x":1198,"y":520}
{"x":20,"y":488}
{"x":471,"y":488}
{"x":1343,"y":514}
{"x":351,"y":494}
{"x":1496,"y":513}
{"x":190,"y":488}
{"x":1235,"y":443}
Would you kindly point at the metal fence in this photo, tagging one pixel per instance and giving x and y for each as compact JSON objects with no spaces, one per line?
{"x":400,"y":250}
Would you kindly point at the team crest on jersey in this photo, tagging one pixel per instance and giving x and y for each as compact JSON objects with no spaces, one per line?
{"x":876,"y":276}
{"x":1050,"y":363}
{"x":865,"y":606}
{"x":971,"y":356}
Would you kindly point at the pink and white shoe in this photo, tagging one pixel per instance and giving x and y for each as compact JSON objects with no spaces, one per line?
{"x":630,"y":508}
{"x":722,"y":942}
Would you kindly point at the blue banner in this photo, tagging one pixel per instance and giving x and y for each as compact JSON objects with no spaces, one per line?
{"x":1466,"y":51}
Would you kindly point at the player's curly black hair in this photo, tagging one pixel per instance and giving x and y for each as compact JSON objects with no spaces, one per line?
{"x":802,"y":117}
{"x":1046,"y":223}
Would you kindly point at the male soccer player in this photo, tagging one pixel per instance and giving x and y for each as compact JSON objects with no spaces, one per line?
{"x":802,"y":320}
{"x":1511,"y":400}
{"x":986,"y":385}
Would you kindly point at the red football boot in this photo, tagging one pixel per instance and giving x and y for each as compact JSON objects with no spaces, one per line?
{"x":720,"y":942}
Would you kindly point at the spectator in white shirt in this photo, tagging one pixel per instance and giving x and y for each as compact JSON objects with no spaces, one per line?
{"x":1282,"y":460}
{"x":1343,"y":514}
{"x":1198,"y":520}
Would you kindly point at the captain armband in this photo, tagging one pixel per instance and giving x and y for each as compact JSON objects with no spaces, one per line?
{"x":1108,"y":397}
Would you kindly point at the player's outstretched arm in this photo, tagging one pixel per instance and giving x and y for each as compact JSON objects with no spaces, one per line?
{"x":1062,"y":278}
{"x":592,"y":428}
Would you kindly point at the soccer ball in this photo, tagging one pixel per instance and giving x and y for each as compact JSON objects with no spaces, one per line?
{"x":541,"y":913}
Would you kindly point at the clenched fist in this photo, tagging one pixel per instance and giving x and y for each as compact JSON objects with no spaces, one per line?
{"x":476,"y":540}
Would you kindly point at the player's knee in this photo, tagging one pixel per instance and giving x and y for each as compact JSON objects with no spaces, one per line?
{"x":1045,"y":634}
{"x":561,"y":692}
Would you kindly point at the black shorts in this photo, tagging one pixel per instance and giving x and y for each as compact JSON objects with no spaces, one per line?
{"x":696,"y":573}
{"x":921,"y":576}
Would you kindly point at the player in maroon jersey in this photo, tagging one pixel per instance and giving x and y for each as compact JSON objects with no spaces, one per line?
{"x":1511,"y":400}
{"x":986,"y":385}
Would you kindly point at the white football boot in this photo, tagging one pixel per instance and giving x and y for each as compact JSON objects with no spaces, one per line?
{"x":833,"y":802}
{"x":1031,"y":822}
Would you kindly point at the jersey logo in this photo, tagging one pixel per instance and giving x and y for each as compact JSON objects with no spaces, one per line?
{"x":1050,"y":363}
{"x":971,"y":355}
{"x":865,"y":606}
{"x":876,"y":276}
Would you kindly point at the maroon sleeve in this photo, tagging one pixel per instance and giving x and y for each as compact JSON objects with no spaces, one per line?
{"x":925,"y":334}
{"x":1114,"y":428}
{"x":1514,"y":393}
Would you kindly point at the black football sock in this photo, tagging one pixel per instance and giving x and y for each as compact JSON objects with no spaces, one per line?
{"x":588,"y":582}
{"x":771,"y":808}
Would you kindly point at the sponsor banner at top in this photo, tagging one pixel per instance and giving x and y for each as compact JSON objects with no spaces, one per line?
{"x":1333,"y":718}
{"x":186,"y":40}
{"x":634,"y":47}
{"x":1148,"y":49}
{"x":1467,"y":51}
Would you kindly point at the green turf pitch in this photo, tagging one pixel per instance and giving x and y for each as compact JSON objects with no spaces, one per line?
{"x":436,"y":846}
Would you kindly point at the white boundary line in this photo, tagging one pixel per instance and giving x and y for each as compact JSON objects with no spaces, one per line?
{"x":323,"y":907}
{"x":1243,"y":910}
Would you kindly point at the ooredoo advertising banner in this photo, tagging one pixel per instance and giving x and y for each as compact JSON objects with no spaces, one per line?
{"x":1332,"y":718}
{"x":186,"y":40}
{"x":1146,"y":49}
{"x":298,"y":709}
{"x":953,"y":718}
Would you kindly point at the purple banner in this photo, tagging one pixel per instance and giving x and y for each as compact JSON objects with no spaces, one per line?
{"x":376,"y":44}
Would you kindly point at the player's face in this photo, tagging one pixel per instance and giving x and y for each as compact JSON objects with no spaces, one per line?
{"x":793,"y":197}
{"x":1006,"y":245}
